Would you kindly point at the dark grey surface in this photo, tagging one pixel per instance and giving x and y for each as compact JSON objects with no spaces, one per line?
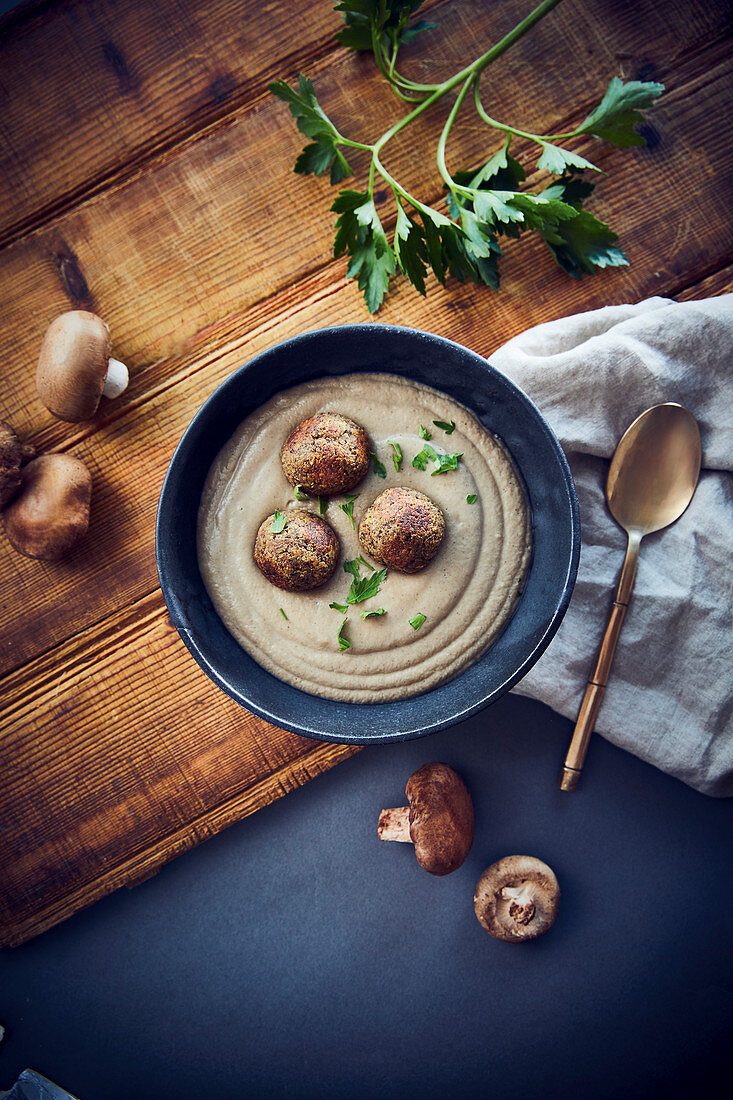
{"x":296,"y":955}
{"x":500,"y":406}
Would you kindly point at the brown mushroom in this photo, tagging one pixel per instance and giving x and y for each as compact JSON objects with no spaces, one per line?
{"x":51,"y":511}
{"x":438,"y":821}
{"x":13,"y":454}
{"x":74,"y":366}
{"x":517,"y":898}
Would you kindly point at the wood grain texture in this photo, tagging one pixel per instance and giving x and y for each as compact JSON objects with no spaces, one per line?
{"x":146,"y":174}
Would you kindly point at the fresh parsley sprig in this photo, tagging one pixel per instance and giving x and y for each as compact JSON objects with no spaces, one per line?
{"x":484,"y":204}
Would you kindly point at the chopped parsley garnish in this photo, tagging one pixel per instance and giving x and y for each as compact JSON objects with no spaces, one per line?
{"x":287,"y":620}
{"x":343,"y":641}
{"x":365,"y":562}
{"x":342,"y":607}
{"x":379,"y":467}
{"x":446,"y":463}
{"x":368,"y":614}
{"x":424,"y":433}
{"x":397,"y":456}
{"x":278,"y":523}
{"x":366,"y":587}
{"x":348,"y":507}
{"x":322,"y":505}
{"x":421,"y":459}
{"x":447,"y":428}
{"x":471,"y":499}
{"x":352,"y":567}
{"x":416,"y":621}
{"x":300,"y":493}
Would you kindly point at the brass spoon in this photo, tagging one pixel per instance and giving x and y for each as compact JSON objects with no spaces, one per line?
{"x":651,"y":481}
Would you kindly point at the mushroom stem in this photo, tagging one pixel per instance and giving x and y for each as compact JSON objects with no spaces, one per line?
{"x":395,"y":824}
{"x":117,"y":378}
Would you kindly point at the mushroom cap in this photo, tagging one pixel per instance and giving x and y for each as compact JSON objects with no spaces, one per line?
{"x":13,"y":454}
{"x":441,"y":818}
{"x":517,"y":898}
{"x":72,"y":365}
{"x":51,"y":511}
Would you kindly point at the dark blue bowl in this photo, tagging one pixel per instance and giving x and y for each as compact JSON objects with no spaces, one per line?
{"x":501,"y":407}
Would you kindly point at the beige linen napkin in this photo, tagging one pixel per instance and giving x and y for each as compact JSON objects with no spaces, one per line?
{"x":669,"y":698}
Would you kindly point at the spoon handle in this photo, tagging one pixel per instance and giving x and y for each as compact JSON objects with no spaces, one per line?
{"x":596,"y":685}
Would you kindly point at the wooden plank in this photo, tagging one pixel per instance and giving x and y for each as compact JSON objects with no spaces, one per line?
{"x":206,"y":233}
{"x":89,"y":91}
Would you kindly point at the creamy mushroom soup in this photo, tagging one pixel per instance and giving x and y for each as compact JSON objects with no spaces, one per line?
{"x":466,"y":594}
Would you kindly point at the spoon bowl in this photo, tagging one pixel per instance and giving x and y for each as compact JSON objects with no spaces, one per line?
{"x":654,"y":471}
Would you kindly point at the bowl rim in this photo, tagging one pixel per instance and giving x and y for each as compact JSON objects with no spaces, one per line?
{"x":311,"y":729}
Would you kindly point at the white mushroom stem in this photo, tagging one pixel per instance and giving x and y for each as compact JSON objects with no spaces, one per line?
{"x":117,"y":378}
{"x":395,"y":824}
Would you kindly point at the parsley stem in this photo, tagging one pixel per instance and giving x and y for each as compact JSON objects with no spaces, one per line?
{"x":447,"y":178}
{"x":512,"y":130}
{"x":474,"y":68}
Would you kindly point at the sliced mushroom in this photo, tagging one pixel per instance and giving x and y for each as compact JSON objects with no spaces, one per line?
{"x":517,"y":898}
{"x":438,"y":821}
{"x":13,"y":454}
{"x":51,"y":511}
{"x":74,"y":366}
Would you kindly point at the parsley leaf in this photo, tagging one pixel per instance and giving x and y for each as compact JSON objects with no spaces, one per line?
{"x":348,"y":507}
{"x":471,"y":498}
{"x":427,"y":454}
{"x":322,"y":505}
{"x":585,"y":244}
{"x":300,"y":493}
{"x":410,"y":249}
{"x":556,"y":160}
{"x":352,"y":567}
{"x":446,"y":463}
{"x":424,"y":433}
{"x":342,"y":607}
{"x":444,"y":426}
{"x":388,"y":18}
{"x":417,"y":620}
{"x":366,"y":563}
{"x":368,"y":614}
{"x":379,"y":467}
{"x":397,"y":456}
{"x":287,"y":620}
{"x":365,"y":588}
{"x":618,"y":112}
{"x":278,"y":523}
{"x":323,"y":153}
{"x":343,"y":641}
{"x":360,"y":233}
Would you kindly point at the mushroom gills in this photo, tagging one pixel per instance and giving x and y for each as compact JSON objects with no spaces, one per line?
{"x":517,"y":898}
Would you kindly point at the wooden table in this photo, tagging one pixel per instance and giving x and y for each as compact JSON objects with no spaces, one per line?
{"x":146,"y":174}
